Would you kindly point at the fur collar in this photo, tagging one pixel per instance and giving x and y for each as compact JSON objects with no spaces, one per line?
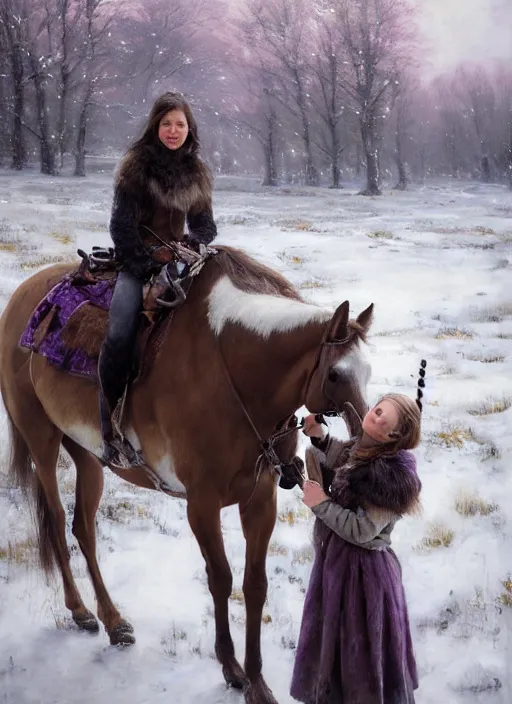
{"x":174,"y":180}
{"x":390,"y":483}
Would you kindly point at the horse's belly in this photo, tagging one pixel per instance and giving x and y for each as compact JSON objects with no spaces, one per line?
{"x":161,"y":464}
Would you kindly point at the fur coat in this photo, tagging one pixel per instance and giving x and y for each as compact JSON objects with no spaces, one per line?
{"x":156,"y":191}
{"x":355,"y":643}
{"x":389,"y":483}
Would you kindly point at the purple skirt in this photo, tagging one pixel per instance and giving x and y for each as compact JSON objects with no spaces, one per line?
{"x":355,"y":643}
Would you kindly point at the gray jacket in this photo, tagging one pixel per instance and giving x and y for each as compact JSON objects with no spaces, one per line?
{"x":368,"y":527}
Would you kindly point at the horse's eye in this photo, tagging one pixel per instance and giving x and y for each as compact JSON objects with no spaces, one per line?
{"x":333,"y":375}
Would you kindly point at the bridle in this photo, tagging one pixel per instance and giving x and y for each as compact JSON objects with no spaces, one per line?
{"x":324,"y":345}
{"x":268,"y":455}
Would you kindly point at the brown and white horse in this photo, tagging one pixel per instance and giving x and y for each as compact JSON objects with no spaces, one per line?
{"x":243,"y":328}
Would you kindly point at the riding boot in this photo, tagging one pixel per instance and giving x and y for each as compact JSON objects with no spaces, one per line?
{"x":116,"y":361}
{"x":113,"y":380}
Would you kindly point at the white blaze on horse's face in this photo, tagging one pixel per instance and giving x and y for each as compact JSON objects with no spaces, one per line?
{"x":353,"y":368}
{"x":261,"y":313}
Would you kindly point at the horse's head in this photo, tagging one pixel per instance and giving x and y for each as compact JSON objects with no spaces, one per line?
{"x":341,"y":372}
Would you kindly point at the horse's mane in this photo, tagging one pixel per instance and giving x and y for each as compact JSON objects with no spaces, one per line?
{"x":253,"y":277}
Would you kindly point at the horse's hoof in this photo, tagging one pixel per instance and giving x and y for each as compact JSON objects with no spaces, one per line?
{"x":235,"y":676}
{"x":86,"y":622}
{"x":122,"y":634}
{"x":259,"y":693}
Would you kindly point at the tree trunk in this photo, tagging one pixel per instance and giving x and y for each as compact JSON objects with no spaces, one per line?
{"x":509,"y":161}
{"x":47,"y":150}
{"x":311,"y":172}
{"x":335,"y":157}
{"x":81,"y":134}
{"x":358,"y":159}
{"x":371,"y":155}
{"x":17,"y":135}
{"x":486,"y":169}
{"x":270,"y":149}
{"x":402,"y":174}
{"x":61,"y":128}
{"x":335,"y":173}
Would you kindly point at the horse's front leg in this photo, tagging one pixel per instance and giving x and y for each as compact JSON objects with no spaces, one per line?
{"x":204,"y":519}
{"x":258,"y":517}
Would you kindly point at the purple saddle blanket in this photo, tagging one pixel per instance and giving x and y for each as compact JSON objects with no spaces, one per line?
{"x":64,"y":299}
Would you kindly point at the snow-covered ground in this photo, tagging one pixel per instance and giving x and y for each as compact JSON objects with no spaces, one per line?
{"x":437,"y":263}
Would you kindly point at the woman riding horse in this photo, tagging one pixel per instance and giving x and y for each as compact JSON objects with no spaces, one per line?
{"x":161,"y":183}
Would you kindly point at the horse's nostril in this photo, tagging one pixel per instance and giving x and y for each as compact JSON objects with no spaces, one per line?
{"x":333,"y":376}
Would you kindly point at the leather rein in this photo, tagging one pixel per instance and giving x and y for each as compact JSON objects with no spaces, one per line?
{"x":268,"y":456}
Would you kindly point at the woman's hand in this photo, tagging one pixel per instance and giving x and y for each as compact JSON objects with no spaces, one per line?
{"x":313,"y":494}
{"x":311,"y":428}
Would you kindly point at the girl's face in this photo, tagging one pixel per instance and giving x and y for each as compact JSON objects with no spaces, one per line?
{"x":173,"y":129}
{"x":380,"y":421}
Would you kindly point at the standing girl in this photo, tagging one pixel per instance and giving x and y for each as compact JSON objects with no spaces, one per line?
{"x":355,"y":644}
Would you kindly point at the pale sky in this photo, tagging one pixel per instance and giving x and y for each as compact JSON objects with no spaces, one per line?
{"x":465,"y":30}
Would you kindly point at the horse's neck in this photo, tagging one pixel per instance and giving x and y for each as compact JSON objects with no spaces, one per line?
{"x":271,"y":373}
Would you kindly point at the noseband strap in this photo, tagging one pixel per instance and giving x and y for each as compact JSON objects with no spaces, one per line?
{"x":325,"y":344}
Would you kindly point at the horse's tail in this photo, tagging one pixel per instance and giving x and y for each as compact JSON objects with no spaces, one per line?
{"x":22,"y":475}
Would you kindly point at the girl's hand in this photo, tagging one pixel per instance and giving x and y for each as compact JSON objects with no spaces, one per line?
{"x":311,"y":428}
{"x":313,"y":494}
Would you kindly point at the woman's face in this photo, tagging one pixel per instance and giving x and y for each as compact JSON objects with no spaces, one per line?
{"x":380,"y":421}
{"x":173,"y":129}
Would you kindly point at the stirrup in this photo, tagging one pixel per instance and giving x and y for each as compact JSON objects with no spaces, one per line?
{"x":117,"y":449}
{"x":120,"y":453}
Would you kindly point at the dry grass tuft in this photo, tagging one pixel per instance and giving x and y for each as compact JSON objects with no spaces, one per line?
{"x":454,"y":333}
{"x":170,"y":643}
{"x":303,"y":556}
{"x":382,"y":235}
{"x":485,"y":358}
{"x":478,"y":230}
{"x":492,"y":405}
{"x":473,"y":505}
{"x":292,"y":517}
{"x":266,"y":618}
{"x":438,"y":536}
{"x":20,"y":552}
{"x":276,"y":549}
{"x":297,"y":226}
{"x":311,"y":284}
{"x":505,"y":598}
{"x":455,"y":436}
{"x":494,"y":314}
{"x":8,"y":247}
{"x":237,"y":595}
{"x":62,"y":237}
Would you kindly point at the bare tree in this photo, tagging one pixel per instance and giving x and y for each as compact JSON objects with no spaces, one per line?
{"x":256,"y":106}
{"x":327,"y":66}
{"x":377,"y":38}
{"x":69,"y":55}
{"x":283,"y":28}
{"x":96,"y":28}
{"x":503,"y":124}
{"x":402,"y":122}
{"x":476,"y":93}
{"x":13,"y":32}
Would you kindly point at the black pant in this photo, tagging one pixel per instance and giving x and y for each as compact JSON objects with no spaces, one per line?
{"x":117,"y":352}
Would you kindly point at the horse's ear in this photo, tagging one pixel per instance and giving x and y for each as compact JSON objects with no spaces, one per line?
{"x":338,"y":328}
{"x":365,"y":318}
